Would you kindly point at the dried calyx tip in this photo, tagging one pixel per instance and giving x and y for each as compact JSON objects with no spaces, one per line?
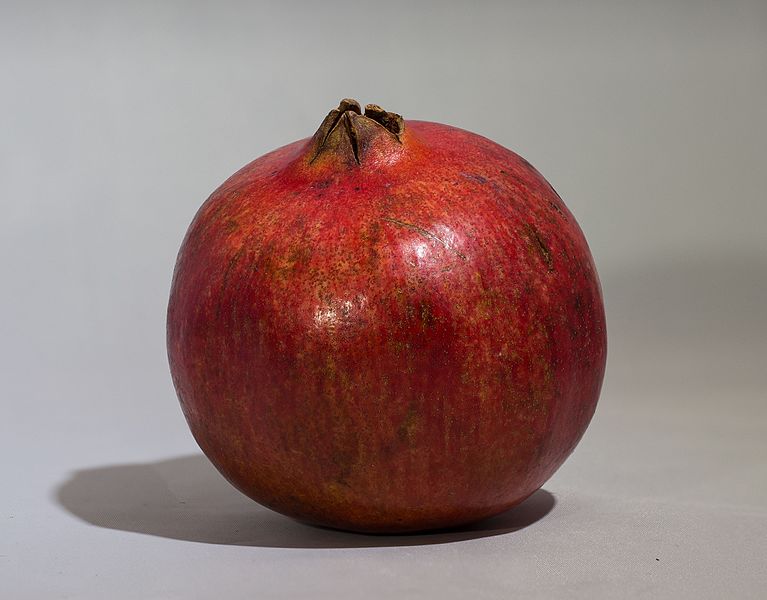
{"x":391,"y":121}
{"x":349,"y":104}
{"x":347,"y":123}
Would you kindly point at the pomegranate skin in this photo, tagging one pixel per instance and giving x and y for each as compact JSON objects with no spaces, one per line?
{"x":386,"y":327}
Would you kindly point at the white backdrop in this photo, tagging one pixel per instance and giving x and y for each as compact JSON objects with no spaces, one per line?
{"x":118,"y":119}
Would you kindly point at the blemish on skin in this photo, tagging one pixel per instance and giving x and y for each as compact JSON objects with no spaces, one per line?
{"x":474,"y":177}
{"x":556,"y":207}
{"x":427,"y":316}
{"x":578,"y":303}
{"x":427,"y":234}
{"x":540,"y":245}
{"x":406,"y":430}
{"x":300,"y":255}
{"x":225,"y":278}
{"x":422,"y":312}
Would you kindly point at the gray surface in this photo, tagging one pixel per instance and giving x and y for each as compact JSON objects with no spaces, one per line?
{"x":117,"y":120}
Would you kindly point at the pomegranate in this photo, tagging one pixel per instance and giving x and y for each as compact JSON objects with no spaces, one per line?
{"x":389,"y":326}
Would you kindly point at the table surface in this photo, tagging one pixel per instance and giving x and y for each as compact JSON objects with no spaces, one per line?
{"x":119,"y":118}
{"x":665,"y":497}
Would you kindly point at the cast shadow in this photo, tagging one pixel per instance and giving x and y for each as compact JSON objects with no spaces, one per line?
{"x":185,"y":498}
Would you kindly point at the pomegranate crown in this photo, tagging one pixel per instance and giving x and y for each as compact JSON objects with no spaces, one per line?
{"x":347,"y":129}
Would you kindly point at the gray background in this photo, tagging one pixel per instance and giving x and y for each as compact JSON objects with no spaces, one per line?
{"x":118,"y":119}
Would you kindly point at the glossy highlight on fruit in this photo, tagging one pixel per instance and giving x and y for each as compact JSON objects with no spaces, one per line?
{"x":390,"y":326}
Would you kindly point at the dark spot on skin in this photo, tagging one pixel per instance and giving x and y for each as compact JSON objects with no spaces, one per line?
{"x":527,"y":289}
{"x":357,"y":188}
{"x":231,"y":225}
{"x":540,"y":245}
{"x":321,"y":185}
{"x":578,"y":303}
{"x":556,"y":207}
{"x":574,"y":333}
{"x":340,"y":461}
{"x":503,"y":172}
{"x":475,"y":177}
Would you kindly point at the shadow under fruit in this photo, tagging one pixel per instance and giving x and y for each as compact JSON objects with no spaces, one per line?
{"x":390,"y":326}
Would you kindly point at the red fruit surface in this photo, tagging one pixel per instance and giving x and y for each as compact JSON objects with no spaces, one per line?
{"x":390,"y":326}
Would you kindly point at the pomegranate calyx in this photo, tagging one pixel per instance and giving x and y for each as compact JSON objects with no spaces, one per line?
{"x":346,"y":131}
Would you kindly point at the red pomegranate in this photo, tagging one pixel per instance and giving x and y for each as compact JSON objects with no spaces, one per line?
{"x":391,"y":326}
